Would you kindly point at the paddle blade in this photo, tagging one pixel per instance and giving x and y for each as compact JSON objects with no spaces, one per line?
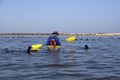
{"x":36,"y":46}
{"x":72,"y":38}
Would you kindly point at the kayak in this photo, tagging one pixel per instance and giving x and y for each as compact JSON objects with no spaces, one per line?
{"x":51,"y":47}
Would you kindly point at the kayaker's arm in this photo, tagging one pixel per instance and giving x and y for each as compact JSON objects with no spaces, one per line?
{"x":58,"y":41}
{"x":48,"y":41}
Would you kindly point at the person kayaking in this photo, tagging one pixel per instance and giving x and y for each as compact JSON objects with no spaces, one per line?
{"x":53,"y":39}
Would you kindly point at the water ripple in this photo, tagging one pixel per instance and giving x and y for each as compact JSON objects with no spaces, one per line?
{"x":72,"y":62}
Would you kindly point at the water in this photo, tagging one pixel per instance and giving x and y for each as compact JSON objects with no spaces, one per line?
{"x":72,"y":62}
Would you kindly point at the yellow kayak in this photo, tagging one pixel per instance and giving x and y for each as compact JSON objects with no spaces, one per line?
{"x":51,"y":47}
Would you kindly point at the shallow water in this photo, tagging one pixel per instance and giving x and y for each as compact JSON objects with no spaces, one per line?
{"x":72,"y":62}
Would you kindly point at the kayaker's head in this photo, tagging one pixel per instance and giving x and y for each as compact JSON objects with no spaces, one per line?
{"x":55,"y":33}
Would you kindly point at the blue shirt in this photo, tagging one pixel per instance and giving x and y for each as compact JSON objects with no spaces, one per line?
{"x":53,"y":37}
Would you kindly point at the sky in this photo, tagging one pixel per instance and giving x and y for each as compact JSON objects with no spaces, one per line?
{"x":67,"y":16}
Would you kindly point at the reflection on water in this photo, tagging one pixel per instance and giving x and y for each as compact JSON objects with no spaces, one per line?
{"x":100,"y":62}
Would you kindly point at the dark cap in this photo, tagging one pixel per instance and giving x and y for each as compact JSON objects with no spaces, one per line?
{"x":55,"y":32}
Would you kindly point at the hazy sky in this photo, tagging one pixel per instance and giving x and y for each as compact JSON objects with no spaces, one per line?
{"x":60,"y":15}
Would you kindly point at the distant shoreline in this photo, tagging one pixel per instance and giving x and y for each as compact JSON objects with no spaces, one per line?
{"x":61,"y":34}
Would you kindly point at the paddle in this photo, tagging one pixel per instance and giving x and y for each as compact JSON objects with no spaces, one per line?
{"x":71,"y":38}
{"x":36,"y":47}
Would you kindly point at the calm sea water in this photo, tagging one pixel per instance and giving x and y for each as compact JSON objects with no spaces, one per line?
{"x":72,"y":62}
